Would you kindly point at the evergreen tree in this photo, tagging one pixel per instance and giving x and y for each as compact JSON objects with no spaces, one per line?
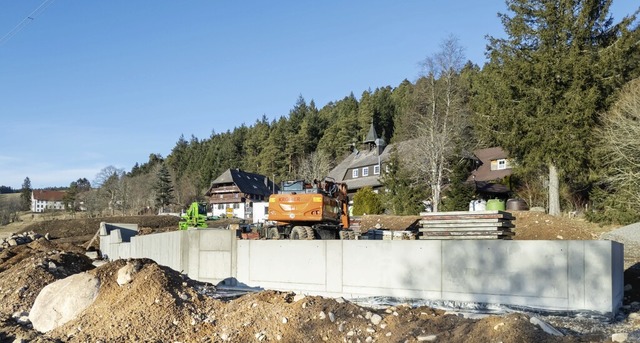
{"x":402,"y":196}
{"x":366,"y":201}
{"x":163,"y":188}
{"x":458,"y":195}
{"x":540,"y":93}
{"x":25,"y":195}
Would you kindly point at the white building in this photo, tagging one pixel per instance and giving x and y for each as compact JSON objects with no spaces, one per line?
{"x":43,"y":200}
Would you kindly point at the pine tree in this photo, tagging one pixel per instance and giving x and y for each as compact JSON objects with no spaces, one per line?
{"x":163,"y":188}
{"x":366,"y":201}
{"x":541,"y":92}
{"x":25,"y":195}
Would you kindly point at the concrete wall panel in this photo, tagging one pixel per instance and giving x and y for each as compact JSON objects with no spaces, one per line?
{"x":551,"y":275}
{"x":393,"y":265}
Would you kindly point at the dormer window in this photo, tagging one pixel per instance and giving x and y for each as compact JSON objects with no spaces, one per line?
{"x":365,"y":171}
{"x":500,"y":164}
{"x":354,"y":173}
{"x":376,"y":169}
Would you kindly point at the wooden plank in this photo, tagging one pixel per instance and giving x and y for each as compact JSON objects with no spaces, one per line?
{"x":469,"y":233}
{"x":438,"y":229}
{"x":467,"y":225}
{"x":464,"y":220}
{"x":470,"y":215}
{"x":463,"y":238}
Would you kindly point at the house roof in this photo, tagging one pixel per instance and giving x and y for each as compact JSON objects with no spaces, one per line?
{"x":46,"y":195}
{"x":371,"y":135}
{"x":249,"y":183}
{"x":484,"y":172}
{"x":359,"y":159}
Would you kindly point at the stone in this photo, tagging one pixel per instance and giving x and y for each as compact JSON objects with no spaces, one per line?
{"x":619,"y":337}
{"x":545,"y":326}
{"x":126,"y":273}
{"x":340,"y":300}
{"x":285,"y":320}
{"x":498,"y":326}
{"x":298,"y":297}
{"x":12,"y":242}
{"x":376,"y":319}
{"x":426,"y":338}
{"x":63,"y":300}
{"x":332,"y":317}
{"x":322,"y":315}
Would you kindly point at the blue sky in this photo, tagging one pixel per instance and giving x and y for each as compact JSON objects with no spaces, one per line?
{"x":88,"y":84}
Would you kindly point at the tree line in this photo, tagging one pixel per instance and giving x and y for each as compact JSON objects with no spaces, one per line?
{"x":559,"y":93}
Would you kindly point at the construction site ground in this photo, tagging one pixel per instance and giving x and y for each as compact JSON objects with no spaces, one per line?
{"x":162,"y":305}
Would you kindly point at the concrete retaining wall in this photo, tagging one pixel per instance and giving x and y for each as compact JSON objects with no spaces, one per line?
{"x":548,"y":275}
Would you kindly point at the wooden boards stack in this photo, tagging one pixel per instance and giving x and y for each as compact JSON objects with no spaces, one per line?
{"x":466,"y":225}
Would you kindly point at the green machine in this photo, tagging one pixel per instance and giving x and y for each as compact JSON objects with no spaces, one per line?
{"x":195,"y":217}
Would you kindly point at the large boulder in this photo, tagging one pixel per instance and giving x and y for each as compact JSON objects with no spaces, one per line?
{"x":63,"y":300}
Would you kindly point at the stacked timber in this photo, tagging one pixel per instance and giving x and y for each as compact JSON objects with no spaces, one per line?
{"x":466,"y":225}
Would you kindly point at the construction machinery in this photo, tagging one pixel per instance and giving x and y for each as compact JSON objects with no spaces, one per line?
{"x":194,"y":217}
{"x":317,"y":210}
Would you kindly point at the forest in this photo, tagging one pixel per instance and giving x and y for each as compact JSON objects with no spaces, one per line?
{"x":560,"y":94}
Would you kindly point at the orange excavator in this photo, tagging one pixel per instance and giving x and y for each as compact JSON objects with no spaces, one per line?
{"x":317,"y":210}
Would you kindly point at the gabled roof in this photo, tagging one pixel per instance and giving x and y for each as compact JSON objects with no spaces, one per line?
{"x":484,"y":172}
{"x":248,"y":183}
{"x":45,"y":195}
{"x":359,"y":159}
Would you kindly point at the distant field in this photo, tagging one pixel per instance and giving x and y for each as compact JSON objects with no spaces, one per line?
{"x":9,"y":197}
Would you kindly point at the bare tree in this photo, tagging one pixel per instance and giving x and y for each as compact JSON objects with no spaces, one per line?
{"x":111,"y":186}
{"x":620,"y":135}
{"x":440,"y":115}
{"x":316,"y":166}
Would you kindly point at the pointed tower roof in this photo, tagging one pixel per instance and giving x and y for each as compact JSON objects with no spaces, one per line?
{"x":372,"y":135}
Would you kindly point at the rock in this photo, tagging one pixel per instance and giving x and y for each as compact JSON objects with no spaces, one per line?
{"x":12,"y":242}
{"x":545,"y":326}
{"x":285,"y":320}
{"x":559,"y":237}
{"x":63,"y":300}
{"x":376,"y":319}
{"x":340,"y":300}
{"x":367,"y":315}
{"x":498,"y":326}
{"x":332,"y":317}
{"x":619,"y":337}
{"x":298,"y":297}
{"x":126,"y":273}
{"x":322,"y":315}
{"x":426,"y":338}
{"x":47,"y":236}
{"x":368,"y":339}
{"x":51,"y":266}
{"x":371,"y":330}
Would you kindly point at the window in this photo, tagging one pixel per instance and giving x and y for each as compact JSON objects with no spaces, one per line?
{"x":221,"y":206}
{"x":236,"y":205}
{"x":365,"y":171}
{"x":354,"y":173}
{"x":376,"y":170}
{"x":503,"y":164}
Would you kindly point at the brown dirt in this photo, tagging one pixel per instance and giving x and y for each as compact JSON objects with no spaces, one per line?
{"x":161,"y":305}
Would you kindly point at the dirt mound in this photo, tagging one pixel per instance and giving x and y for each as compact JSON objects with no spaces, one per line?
{"x":82,"y":230}
{"x":162,"y":305}
{"x":541,"y":226}
{"x":372,"y":222}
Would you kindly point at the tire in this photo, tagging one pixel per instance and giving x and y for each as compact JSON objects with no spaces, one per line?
{"x":272,"y":233}
{"x":310,"y":232}
{"x":298,"y":232}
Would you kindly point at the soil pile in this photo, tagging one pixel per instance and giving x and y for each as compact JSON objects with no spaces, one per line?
{"x":162,"y":305}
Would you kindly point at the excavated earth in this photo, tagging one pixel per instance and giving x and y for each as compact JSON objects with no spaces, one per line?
{"x":162,"y":305}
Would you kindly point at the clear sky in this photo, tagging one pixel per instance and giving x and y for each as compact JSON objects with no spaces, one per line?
{"x":87,"y":84}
